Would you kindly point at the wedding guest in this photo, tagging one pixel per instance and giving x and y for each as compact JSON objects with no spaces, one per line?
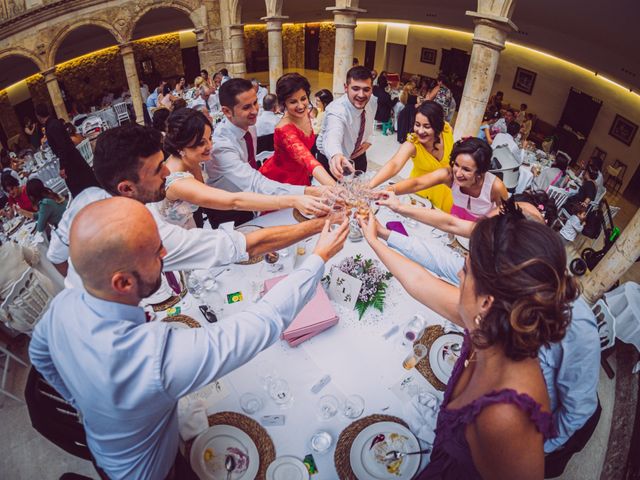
{"x":322,"y":100}
{"x":50,"y":205}
{"x":205,"y":76}
{"x":160,"y":117}
{"x":144,"y":91}
{"x":430,"y":148}
{"x":268,"y":117}
{"x":292,"y":161}
{"x":72,"y":131}
{"x":233,"y":164}
{"x":213,"y":101}
{"x":514,"y":298}
{"x":526,"y":126}
{"x":225,"y":75}
{"x":506,"y":139}
{"x":574,"y":224}
{"x":385,"y":105}
{"x":495,"y":101}
{"x":595,"y":165}
{"x":261,"y":92}
{"x":588,"y":190}
{"x":522,"y":113}
{"x":552,"y":176}
{"x":133,"y":371}
{"x":165,"y":98}
{"x":348,"y":124}
{"x":180,"y":87}
{"x":32,"y":131}
{"x":129,"y":162}
{"x":476,"y":191}
{"x":17,"y":197}
{"x":406,"y":116}
{"x":441,"y":94}
{"x":73,"y":168}
{"x":499,"y":126}
{"x":188,"y":143}
{"x":152,"y":99}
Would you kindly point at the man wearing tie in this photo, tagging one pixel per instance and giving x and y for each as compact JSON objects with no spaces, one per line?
{"x":348,"y":124}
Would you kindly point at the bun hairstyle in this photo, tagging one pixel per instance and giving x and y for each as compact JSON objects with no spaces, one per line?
{"x":290,"y":83}
{"x":185,"y":128}
{"x":539,"y":199}
{"x":522,"y":265}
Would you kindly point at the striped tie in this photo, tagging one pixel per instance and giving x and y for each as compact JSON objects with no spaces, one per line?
{"x":363,"y":122}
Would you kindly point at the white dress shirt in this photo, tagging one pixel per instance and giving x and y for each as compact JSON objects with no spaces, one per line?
{"x":214,"y":103}
{"x":186,"y":249}
{"x":261,"y":93}
{"x":341,"y":125}
{"x":125,"y":375}
{"x":267,"y":121}
{"x":229,"y":167}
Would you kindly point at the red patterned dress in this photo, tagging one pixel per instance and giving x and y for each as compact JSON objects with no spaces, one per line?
{"x":292,"y":161}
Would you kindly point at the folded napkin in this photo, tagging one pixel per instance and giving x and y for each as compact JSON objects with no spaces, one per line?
{"x":421,"y":415}
{"x":192,"y":418}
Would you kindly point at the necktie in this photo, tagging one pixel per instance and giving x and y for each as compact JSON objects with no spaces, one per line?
{"x":250,"y":152}
{"x":363,"y":122}
{"x":173,"y":282}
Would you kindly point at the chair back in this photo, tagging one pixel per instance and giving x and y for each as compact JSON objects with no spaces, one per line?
{"x":122,"y":112}
{"x":558,"y":195}
{"x":85,"y":150}
{"x":27,"y":300}
{"x":506,"y":167}
{"x":606,"y":324}
{"x":92,"y":127}
{"x":566,"y":155}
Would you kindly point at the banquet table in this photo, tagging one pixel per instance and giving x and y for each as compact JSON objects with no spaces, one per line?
{"x":354,"y":353}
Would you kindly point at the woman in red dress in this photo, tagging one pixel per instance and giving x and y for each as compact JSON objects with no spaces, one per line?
{"x":292,"y":161}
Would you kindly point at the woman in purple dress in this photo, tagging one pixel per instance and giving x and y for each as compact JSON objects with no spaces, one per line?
{"x":514,"y":297}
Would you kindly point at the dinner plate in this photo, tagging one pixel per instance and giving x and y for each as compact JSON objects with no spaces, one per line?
{"x":463,"y":241}
{"x":441,"y":358}
{"x":366,"y":459}
{"x":287,"y":468}
{"x":211,"y":447}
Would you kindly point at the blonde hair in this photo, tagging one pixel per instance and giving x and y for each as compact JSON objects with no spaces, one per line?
{"x":198,"y":81}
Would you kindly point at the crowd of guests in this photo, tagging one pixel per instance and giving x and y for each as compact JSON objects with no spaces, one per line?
{"x":522,"y":398}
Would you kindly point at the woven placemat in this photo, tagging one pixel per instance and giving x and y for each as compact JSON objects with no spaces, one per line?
{"x":256,"y":432}
{"x":341,"y":458}
{"x":252,"y":260}
{"x":424,"y":367}
{"x":299,"y":216}
{"x":186,"y":319}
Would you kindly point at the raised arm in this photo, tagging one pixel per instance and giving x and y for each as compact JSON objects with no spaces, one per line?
{"x":299,"y":152}
{"x":393,"y":166}
{"x":412,"y":185}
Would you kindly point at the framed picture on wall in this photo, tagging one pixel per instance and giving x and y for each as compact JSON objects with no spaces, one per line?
{"x":524,"y":80}
{"x":147,"y":66}
{"x":428,"y":55}
{"x":623,"y":129}
{"x":599,"y":153}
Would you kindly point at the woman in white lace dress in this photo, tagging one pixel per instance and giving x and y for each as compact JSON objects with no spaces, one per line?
{"x":188,"y":143}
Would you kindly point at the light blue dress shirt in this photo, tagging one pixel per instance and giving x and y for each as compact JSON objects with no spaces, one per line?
{"x":152,"y":100}
{"x":125,"y":376}
{"x":571,"y":367}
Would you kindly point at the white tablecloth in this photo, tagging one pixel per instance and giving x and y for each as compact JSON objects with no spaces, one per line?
{"x":354,"y":353}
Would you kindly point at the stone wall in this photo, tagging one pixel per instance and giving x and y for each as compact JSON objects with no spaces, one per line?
{"x":9,"y":121}
{"x":327,"y":46}
{"x":293,"y":45}
{"x":256,"y":50}
{"x":164,"y":51}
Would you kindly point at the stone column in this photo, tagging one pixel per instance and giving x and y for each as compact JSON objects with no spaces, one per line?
{"x":344,"y":19}
{"x":615,"y":263}
{"x":237,"y":67}
{"x":129,"y":60}
{"x":489,"y":37}
{"x":210,"y":49}
{"x":274,"y":35}
{"x":56,"y":94}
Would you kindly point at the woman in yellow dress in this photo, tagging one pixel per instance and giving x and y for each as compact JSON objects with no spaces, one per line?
{"x":429,"y":146}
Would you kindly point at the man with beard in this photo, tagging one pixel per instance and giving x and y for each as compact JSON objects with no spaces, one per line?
{"x":348,"y":124}
{"x":129,"y":162}
{"x":125,"y":375}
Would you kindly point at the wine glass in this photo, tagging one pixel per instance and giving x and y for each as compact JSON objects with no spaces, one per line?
{"x":251,"y":403}
{"x":327,"y":407}
{"x":353,"y":406}
{"x":418,"y":352}
{"x":413,"y":329}
{"x":271,"y":259}
{"x":280,"y":393}
{"x":321,"y":441}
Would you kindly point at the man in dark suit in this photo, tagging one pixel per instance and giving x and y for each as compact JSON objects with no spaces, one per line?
{"x":73,"y":168}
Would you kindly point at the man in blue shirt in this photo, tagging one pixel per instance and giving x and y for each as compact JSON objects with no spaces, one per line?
{"x":124,"y":375}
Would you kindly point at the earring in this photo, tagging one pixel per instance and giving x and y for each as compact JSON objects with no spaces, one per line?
{"x":181,"y":153}
{"x":477,"y":319}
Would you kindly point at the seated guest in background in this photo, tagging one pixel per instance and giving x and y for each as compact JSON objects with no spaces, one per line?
{"x":208,"y":82}
{"x":50,"y":205}
{"x":75,"y":137}
{"x":322,"y":99}
{"x":499,"y":126}
{"x":233,"y":164}
{"x":165,"y":98}
{"x":526,"y":126}
{"x":76,"y":172}
{"x":429,"y":147}
{"x":129,"y":162}
{"x":441,"y":94}
{"x":292,"y":161}
{"x":495,"y":101}
{"x":133,"y":371}
{"x":180,"y":87}
{"x":261,"y":92}
{"x":268,"y":117}
{"x":385,"y":105}
{"x":188,"y":143}
{"x":552,"y":176}
{"x":18,"y":199}
{"x":152,"y":99}
{"x":213,"y":102}
{"x":514,"y":298}
{"x":348,"y":124}
{"x":476,"y":191}
{"x":225,"y":75}
{"x":506,"y":139}
{"x":179,"y":103}
{"x":217,"y":80}
{"x":522,"y":113}
{"x":588,"y":190}
{"x":107,"y":99}
{"x":144,"y":91}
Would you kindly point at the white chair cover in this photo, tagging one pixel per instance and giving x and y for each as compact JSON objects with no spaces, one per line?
{"x":28,"y":299}
{"x":122,"y":112}
{"x":85,"y":150}
{"x":624,"y":303}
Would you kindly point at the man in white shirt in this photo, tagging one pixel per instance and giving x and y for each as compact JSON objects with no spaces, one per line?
{"x":125,"y":375}
{"x":506,"y":139}
{"x":261,"y":92}
{"x":233,"y":164}
{"x":129,"y":162}
{"x":268,"y":117}
{"x":347,"y":126}
{"x":225,"y":75}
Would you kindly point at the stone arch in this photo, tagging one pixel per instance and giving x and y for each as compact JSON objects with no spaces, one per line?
{"x":192,"y":14}
{"x":25,"y":53}
{"x":61,"y":35}
{"x":235,"y":12}
{"x":18,"y":63}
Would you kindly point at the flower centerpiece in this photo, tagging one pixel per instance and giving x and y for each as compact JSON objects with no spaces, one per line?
{"x":374,"y":282}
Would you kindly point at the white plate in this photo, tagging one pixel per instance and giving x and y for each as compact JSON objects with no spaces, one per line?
{"x":219,"y":439}
{"x":442,"y":361}
{"x":362,"y":456}
{"x":463,"y":241}
{"x":287,"y":468}
{"x":177,"y":324}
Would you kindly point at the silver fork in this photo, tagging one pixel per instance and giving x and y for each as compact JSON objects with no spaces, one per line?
{"x":395,"y":455}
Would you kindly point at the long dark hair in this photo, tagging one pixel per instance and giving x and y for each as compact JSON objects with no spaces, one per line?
{"x":479,"y":150}
{"x":435,"y":114}
{"x":36,"y":191}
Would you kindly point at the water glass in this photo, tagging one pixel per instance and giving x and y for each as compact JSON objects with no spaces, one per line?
{"x":251,"y":403}
{"x":413,"y":329}
{"x":272,"y":261}
{"x":418,"y":352}
{"x":321,"y":441}
{"x":353,"y":406}
{"x":194,"y":285}
{"x":280,"y":393}
{"x":327,"y":407}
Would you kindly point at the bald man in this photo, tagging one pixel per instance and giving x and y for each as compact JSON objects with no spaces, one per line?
{"x":125,"y":375}
{"x":129,"y":162}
